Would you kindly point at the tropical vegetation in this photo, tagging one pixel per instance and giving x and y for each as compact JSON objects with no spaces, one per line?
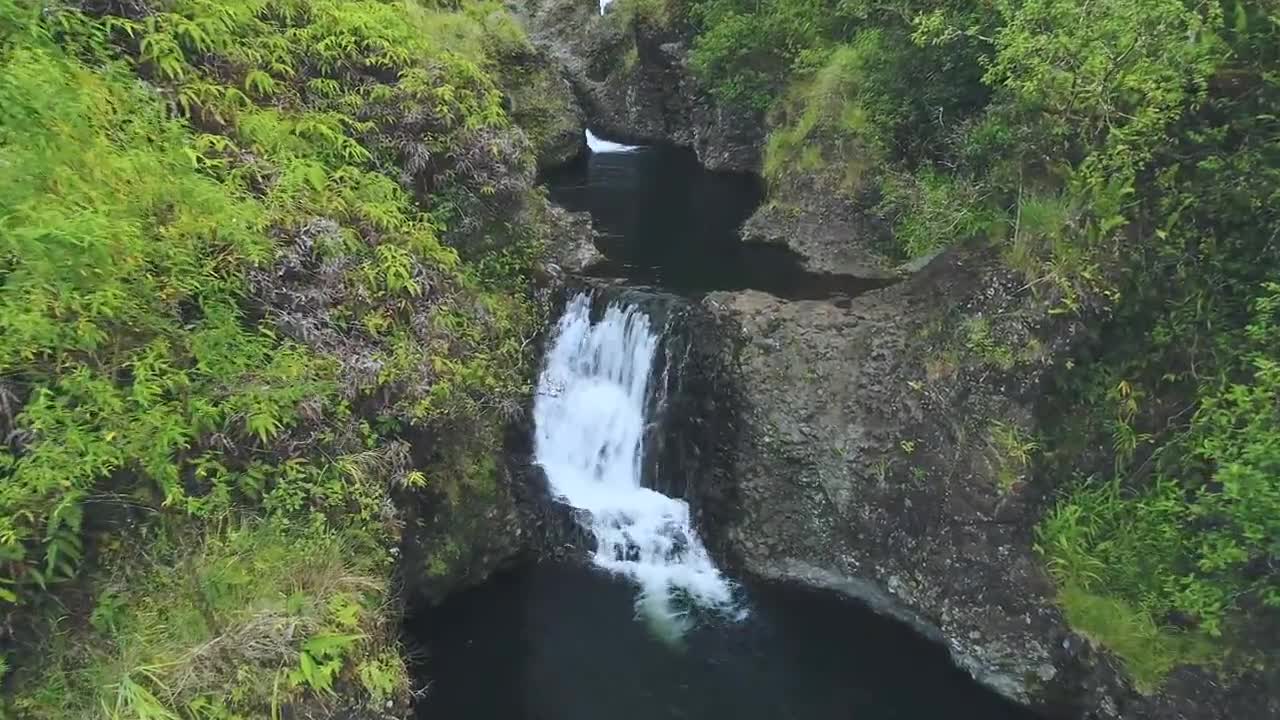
{"x":263,"y":286}
{"x":1124,"y":157}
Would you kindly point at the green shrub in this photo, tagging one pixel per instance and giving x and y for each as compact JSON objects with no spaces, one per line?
{"x":655,"y":14}
{"x":745,"y":49}
{"x":931,"y":211}
{"x":1120,"y":103}
{"x":1042,"y":241}
{"x":227,"y":295}
{"x":1011,"y":451}
{"x":247,"y":619}
{"x":130,"y":241}
{"x":1149,"y":651}
{"x":1188,"y":546}
{"x":836,"y":118}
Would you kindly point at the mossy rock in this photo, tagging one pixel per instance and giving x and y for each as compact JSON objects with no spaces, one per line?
{"x":542,"y":103}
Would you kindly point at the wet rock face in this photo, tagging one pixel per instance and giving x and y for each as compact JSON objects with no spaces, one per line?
{"x":867,"y":457}
{"x":854,"y":471}
{"x":634,"y":84}
{"x":456,"y":539}
{"x":695,"y":447}
{"x":863,"y":462}
{"x":829,"y":231}
{"x":572,"y":245}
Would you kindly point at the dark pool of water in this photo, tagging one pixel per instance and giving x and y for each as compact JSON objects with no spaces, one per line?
{"x":559,"y":642}
{"x":666,"y":221}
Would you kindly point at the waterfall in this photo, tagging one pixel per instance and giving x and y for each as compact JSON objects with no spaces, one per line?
{"x":590,"y":415}
{"x":600,"y":145}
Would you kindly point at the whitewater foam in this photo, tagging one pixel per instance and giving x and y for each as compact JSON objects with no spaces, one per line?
{"x":590,"y":415}
{"x":599,"y":145}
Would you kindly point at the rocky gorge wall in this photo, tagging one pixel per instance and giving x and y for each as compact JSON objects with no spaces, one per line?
{"x":878,"y":445}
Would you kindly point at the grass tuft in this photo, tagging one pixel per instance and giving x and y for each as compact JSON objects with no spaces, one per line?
{"x":250,"y":616}
{"x":1148,"y":651}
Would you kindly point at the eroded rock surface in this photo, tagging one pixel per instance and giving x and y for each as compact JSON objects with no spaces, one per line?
{"x":572,"y":245}
{"x":859,"y":470}
{"x":634,"y":84}
{"x":826,"y":230}
{"x":874,"y":454}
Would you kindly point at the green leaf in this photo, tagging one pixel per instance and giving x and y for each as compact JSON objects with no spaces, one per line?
{"x":328,"y":645}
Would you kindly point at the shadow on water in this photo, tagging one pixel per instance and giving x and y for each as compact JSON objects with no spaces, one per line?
{"x":664,"y":220}
{"x":560,"y":642}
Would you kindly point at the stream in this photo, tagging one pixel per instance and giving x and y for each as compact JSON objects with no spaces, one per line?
{"x":649,"y":626}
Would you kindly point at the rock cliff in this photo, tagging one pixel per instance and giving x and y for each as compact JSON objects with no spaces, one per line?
{"x":879,"y":446}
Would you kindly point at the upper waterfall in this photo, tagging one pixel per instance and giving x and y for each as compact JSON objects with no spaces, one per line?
{"x":598,"y":144}
{"x":590,"y":415}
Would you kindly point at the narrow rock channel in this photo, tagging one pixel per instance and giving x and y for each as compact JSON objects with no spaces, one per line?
{"x":651,"y":626}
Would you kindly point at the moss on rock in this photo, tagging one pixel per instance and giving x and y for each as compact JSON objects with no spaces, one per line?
{"x":542,"y":103}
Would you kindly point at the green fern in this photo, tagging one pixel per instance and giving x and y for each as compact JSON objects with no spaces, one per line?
{"x":152,"y":379}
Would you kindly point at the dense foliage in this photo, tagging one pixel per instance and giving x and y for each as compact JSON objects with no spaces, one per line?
{"x":1125,"y":156}
{"x":250,"y":252}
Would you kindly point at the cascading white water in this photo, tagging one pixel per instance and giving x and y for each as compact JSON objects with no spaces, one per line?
{"x":590,"y":418}
{"x":600,"y":145}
